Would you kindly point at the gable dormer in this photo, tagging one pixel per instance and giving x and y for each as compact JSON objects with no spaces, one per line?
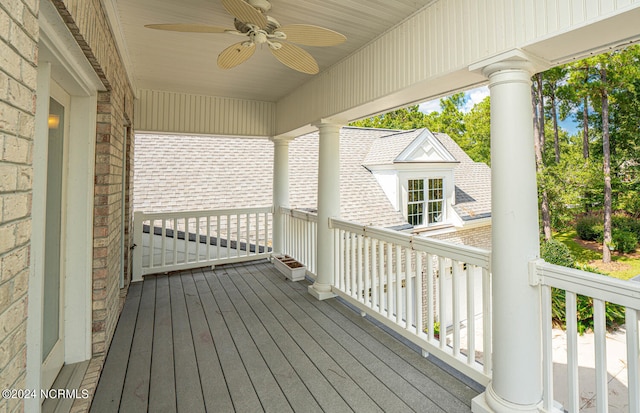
{"x":415,"y":171}
{"x":425,"y":148}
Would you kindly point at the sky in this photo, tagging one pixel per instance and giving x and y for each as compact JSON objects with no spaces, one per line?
{"x":476,"y":95}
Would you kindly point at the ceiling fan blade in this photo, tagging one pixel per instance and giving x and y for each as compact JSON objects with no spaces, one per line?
{"x":310,"y":35}
{"x":235,"y":54}
{"x":245,"y":12}
{"x":189,"y":28}
{"x":296,"y":58}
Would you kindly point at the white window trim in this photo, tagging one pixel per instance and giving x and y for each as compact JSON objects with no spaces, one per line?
{"x":425,"y":201}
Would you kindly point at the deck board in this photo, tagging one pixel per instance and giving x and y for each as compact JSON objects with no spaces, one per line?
{"x":242,"y":338}
{"x":162,"y":386}
{"x":239,"y":385}
{"x":189,"y":397}
{"x":115,"y":366}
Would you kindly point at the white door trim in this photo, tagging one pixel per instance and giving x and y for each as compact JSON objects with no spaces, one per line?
{"x":61,"y":59}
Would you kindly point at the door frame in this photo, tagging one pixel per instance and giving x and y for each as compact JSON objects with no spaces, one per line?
{"x":62,"y":60}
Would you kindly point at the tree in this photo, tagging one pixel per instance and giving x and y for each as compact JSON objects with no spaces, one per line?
{"x":551,"y":85}
{"x":477,"y":139}
{"x":611,"y":78}
{"x":405,"y":119}
{"x":537,"y":97}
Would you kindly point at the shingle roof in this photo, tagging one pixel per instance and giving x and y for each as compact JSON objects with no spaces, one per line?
{"x":179,"y":173}
{"x":472,"y":181}
{"x":386,"y":149}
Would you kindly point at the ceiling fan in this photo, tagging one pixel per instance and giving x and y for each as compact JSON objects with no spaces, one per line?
{"x":250,"y":20}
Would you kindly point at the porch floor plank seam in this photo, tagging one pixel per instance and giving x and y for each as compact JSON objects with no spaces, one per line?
{"x":243,"y":338}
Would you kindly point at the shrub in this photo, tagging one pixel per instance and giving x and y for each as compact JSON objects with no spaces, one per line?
{"x":627,"y":223}
{"x":589,"y":228}
{"x":624,"y":241}
{"x":555,"y":252}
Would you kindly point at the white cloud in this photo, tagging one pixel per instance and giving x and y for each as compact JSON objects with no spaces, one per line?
{"x":431,"y":106}
{"x":475,"y":96}
{"x":472,"y":97}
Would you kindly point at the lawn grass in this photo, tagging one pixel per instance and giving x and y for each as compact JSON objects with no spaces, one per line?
{"x":585,"y":255}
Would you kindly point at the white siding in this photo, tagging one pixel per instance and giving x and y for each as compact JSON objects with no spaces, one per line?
{"x":161,"y":111}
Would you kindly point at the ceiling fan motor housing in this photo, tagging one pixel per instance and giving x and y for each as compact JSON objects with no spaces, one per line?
{"x":242,"y":27}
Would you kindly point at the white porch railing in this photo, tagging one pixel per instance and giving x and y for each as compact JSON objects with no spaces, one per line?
{"x":601,"y":289}
{"x":415,"y":286}
{"x":176,"y":241}
{"x":301,"y":234}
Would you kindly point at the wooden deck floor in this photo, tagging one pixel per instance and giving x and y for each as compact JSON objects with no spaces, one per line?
{"x":242,"y":338}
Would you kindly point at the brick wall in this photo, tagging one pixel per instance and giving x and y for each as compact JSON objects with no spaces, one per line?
{"x":86,"y":20}
{"x":18,"y":55}
{"x":479,"y":237}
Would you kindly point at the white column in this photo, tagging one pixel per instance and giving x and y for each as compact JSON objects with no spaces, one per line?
{"x":328,"y":206}
{"x":516,"y":385}
{"x":280,"y":189}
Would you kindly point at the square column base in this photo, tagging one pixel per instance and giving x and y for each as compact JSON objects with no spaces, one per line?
{"x":320,"y":295}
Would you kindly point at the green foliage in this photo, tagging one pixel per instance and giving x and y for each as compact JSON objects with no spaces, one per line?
{"x":614,"y":313}
{"x":627,"y":223}
{"x":555,"y":252}
{"x":589,"y":228}
{"x":624,"y":241}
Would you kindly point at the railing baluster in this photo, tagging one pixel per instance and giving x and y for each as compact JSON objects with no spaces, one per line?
{"x":471,"y":315}
{"x":487,"y":322}
{"x":359,"y":281}
{"x":418,"y":294}
{"x":442,"y":296}
{"x":455,"y":305}
{"x":175,"y":241}
{"x":197,"y":239}
{"x":573,"y":403}
{"x":367,"y":272}
{"x":208,"y":248}
{"x":382,"y":303}
{"x":389,"y":278}
{"x":152,"y":243}
{"x":374,"y":274}
{"x":547,"y":350}
{"x":633,"y":358}
{"x":163,"y":242}
{"x":238,"y":236}
{"x":218,"y":237}
{"x":408,"y":289}
{"x":343,"y":253}
{"x":431,"y":299}
{"x":336,"y":259}
{"x":353,"y":261}
{"x":398,"y":284}
{"x":600,"y":331}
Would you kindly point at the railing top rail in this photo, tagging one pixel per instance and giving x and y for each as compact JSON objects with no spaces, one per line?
{"x":300,"y":214}
{"x":203,"y":213}
{"x":467,"y":254}
{"x":598,"y":286}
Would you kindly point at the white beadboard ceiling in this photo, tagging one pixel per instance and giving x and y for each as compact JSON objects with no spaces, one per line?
{"x":186,"y":62}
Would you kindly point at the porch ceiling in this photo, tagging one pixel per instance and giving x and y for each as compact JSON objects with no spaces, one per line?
{"x":186,"y":62}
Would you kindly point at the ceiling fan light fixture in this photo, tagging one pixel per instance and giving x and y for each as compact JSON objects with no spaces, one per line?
{"x":259,"y":37}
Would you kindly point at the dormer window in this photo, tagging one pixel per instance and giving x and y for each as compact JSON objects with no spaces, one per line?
{"x":425,"y":204}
